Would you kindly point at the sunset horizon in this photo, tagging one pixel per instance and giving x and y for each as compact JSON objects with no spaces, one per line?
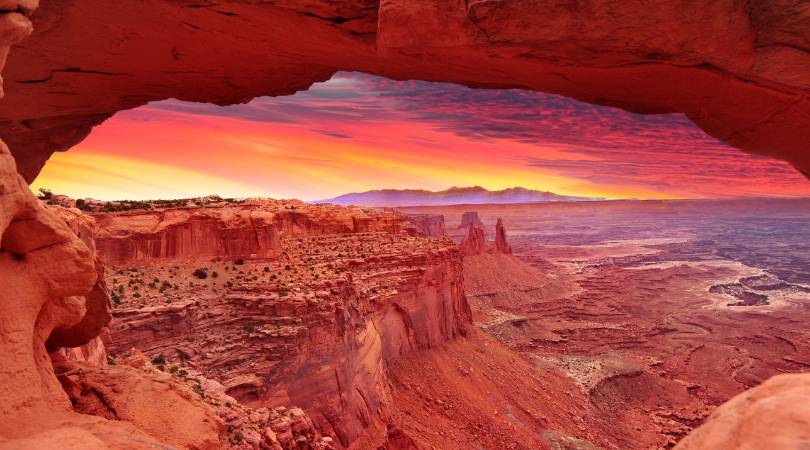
{"x":356,"y":133}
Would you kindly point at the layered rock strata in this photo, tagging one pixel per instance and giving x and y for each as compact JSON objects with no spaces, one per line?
{"x":428,"y":225}
{"x":315,"y":326}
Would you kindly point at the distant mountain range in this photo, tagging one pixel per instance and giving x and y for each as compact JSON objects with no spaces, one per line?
{"x":474,"y":195}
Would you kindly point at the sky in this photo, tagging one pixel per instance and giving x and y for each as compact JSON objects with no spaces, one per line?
{"x":357,"y":132}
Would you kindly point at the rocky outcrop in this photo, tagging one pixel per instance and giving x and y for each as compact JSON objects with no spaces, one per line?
{"x":428,"y":225}
{"x":774,"y":414}
{"x":138,"y":238}
{"x":474,"y":243}
{"x":739,"y":70}
{"x":315,"y":327}
{"x":248,"y":229}
{"x":501,"y":245}
{"x":470,"y":218}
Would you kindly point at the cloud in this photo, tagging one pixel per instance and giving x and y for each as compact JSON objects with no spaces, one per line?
{"x":467,"y":133}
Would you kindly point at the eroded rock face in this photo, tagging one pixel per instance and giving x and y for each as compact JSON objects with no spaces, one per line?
{"x":429,"y":225}
{"x":501,"y":245}
{"x":774,"y":414}
{"x":739,"y":69}
{"x":474,"y":243}
{"x":470,"y":218}
{"x":315,"y":324}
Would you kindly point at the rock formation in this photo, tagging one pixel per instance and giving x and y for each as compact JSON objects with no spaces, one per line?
{"x":739,"y":70}
{"x":428,"y":225}
{"x":332,"y":292}
{"x":774,"y":414}
{"x":474,"y":243}
{"x":501,"y":245}
{"x":470,"y":218}
{"x":224,"y":229}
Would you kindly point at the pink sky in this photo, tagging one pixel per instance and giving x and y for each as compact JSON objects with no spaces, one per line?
{"x":357,"y":132}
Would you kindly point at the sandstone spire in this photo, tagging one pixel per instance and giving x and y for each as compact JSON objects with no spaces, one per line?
{"x":474,"y":242}
{"x":501,"y":245}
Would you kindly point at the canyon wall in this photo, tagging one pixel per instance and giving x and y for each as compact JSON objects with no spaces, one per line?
{"x":245,"y":229}
{"x":314,"y":324}
{"x":429,"y":225}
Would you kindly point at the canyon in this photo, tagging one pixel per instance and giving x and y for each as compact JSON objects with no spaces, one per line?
{"x":543,"y":355}
{"x":643,"y":304}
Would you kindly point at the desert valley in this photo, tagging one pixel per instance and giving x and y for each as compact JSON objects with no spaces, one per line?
{"x":572,"y":325}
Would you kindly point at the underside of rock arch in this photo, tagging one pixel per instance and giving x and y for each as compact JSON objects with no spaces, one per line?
{"x":739,"y":69}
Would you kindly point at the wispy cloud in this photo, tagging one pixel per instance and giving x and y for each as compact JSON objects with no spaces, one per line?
{"x":358,"y":132}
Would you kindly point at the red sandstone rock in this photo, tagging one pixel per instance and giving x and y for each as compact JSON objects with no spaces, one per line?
{"x":501,"y":245}
{"x":739,"y":70}
{"x":775,"y":414}
{"x":474,"y":243}
{"x":471,"y":218}
{"x":352,"y":300}
{"x":428,"y":225}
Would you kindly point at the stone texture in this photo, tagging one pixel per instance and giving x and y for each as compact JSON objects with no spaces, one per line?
{"x":471,"y":218}
{"x":739,"y":69}
{"x":315,"y":324}
{"x":501,"y":245}
{"x":474,"y":243}
{"x":429,"y":225}
{"x":775,"y":414}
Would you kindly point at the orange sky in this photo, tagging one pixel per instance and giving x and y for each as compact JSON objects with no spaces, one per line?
{"x":356,"y":133}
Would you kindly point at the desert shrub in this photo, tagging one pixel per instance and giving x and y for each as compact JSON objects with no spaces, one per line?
{"x":44,"y":194}
{"x":159,"y":360}
{"x":239,"y":262}
{"x":214,"y":274}
{"x":200,"y":273}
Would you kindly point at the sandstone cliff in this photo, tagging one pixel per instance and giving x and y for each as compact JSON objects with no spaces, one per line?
{"x":240,"y":230}
{"x":332,"y":292}
{"x":470,"y":218}
{"x":429,"y":225}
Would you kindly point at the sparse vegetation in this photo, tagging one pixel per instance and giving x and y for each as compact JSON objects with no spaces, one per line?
{"x":200,"y":273}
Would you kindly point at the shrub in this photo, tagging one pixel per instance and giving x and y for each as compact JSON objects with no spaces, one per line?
{"x":249,"y":327}
{"x":200,"y":273}
{"x":136,"y":295}
{"x":239,"y":262}
{"x":214,"y":274}
{"x":44,"y":194}
{"x":159,"y":360}
{"x":266,"y":269}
